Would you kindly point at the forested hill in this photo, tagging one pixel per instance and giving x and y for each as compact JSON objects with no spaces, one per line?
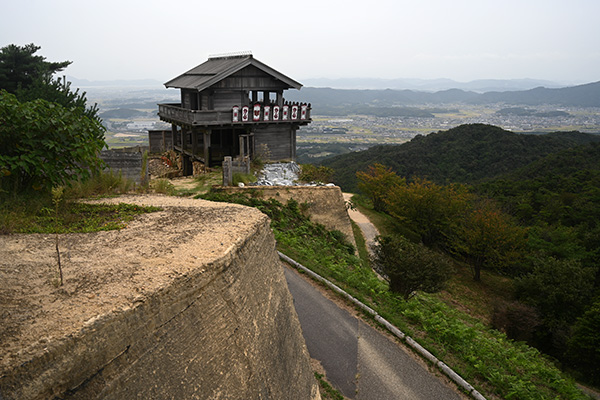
{"x":467,"y":154}
{"x":587,"y":95}
{"x":561,"y":188}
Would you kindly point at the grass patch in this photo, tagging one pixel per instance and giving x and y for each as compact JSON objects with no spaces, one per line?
{"x":496,"y":365}
{"x":239,"y":177}
{"x":72,"y":217}
{"x":327,"y":391}
{"x":163,"y":186}
{"x":476,"y":298}
{"x":103,"y":184}
{"x":206,"y":181}
{"x":361,"y":245}
{"x":36,"y":212}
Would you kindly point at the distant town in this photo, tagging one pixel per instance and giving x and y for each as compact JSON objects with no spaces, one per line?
{"x":129,"y":115}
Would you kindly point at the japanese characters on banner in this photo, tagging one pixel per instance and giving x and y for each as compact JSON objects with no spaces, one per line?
{"x":291,"y":112}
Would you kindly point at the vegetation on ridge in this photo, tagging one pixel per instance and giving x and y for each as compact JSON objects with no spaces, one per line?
{"x":465,"y":154}
{"x":534,"y":218}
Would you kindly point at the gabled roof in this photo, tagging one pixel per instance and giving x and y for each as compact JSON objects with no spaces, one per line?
{"x":219,"y":68}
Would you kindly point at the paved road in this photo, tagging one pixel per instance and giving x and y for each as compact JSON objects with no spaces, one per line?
{"x":359,"y":361}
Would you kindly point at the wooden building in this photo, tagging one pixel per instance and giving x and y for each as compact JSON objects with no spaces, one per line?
{"x":233,"y":106}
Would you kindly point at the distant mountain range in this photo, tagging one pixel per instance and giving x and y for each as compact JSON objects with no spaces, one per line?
{"x":143,"y":83}
{"x":431,"y":85}
{"x":475,"y":92}
{"x":587,"y":95}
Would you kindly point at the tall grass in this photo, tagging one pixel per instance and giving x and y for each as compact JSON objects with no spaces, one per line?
{"x":102,"y":184}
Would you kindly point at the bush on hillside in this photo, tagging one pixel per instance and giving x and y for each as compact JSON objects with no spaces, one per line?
{"x":409,"y":266}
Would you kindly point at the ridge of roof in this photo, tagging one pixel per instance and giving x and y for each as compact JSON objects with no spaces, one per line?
{"x":217,"y":68}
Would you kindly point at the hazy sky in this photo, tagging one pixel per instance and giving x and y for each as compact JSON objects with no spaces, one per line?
{"x":463,"y":40}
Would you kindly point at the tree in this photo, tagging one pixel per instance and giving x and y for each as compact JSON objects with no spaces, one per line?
{"x":30,"y":77}
{"x":488,"y":238}
{"x":429,"y":209}
{"x":560,"y":290}
{"x":312,"y":173}
{"x":584,"y":344}
{"x":376,"y":182}
{"x":20,"y":68}
{"x":410,"y":266}
{"x":43,"y":144}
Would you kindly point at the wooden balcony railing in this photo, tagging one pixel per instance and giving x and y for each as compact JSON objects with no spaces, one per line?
{"x":257,"y":113}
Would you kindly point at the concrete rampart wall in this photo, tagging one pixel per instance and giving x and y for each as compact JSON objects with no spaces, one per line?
{"x":226,"y":329}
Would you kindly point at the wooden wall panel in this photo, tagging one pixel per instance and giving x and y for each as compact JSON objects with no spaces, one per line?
{"x":279,"y":139}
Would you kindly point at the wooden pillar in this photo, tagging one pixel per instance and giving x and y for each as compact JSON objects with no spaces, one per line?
{"x":280,"y":98}
{"x":194,"y":142}
{"x":292,"y":142}
{"x":173,"y":135}
{"x":207,"y":147}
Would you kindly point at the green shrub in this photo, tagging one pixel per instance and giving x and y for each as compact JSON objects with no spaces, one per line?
{"x":409,"y":266}
{"x":311,"y":173}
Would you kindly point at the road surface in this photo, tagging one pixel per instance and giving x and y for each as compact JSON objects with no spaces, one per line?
{"x":369,"y":230}
{"x":359,"y":361}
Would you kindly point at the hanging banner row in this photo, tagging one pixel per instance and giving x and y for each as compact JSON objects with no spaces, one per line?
{"x":285,"y":113}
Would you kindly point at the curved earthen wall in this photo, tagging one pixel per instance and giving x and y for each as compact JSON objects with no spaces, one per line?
{"x":186,"y":303}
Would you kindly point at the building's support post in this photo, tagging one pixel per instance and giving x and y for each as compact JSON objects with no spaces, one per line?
{"x":242,"y":147}
{"x":173,"y":135}
{"x":292,"y":143}
{"x":207,"y":148}
{"x":280,"y":98}
{"x":194,"y":142}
